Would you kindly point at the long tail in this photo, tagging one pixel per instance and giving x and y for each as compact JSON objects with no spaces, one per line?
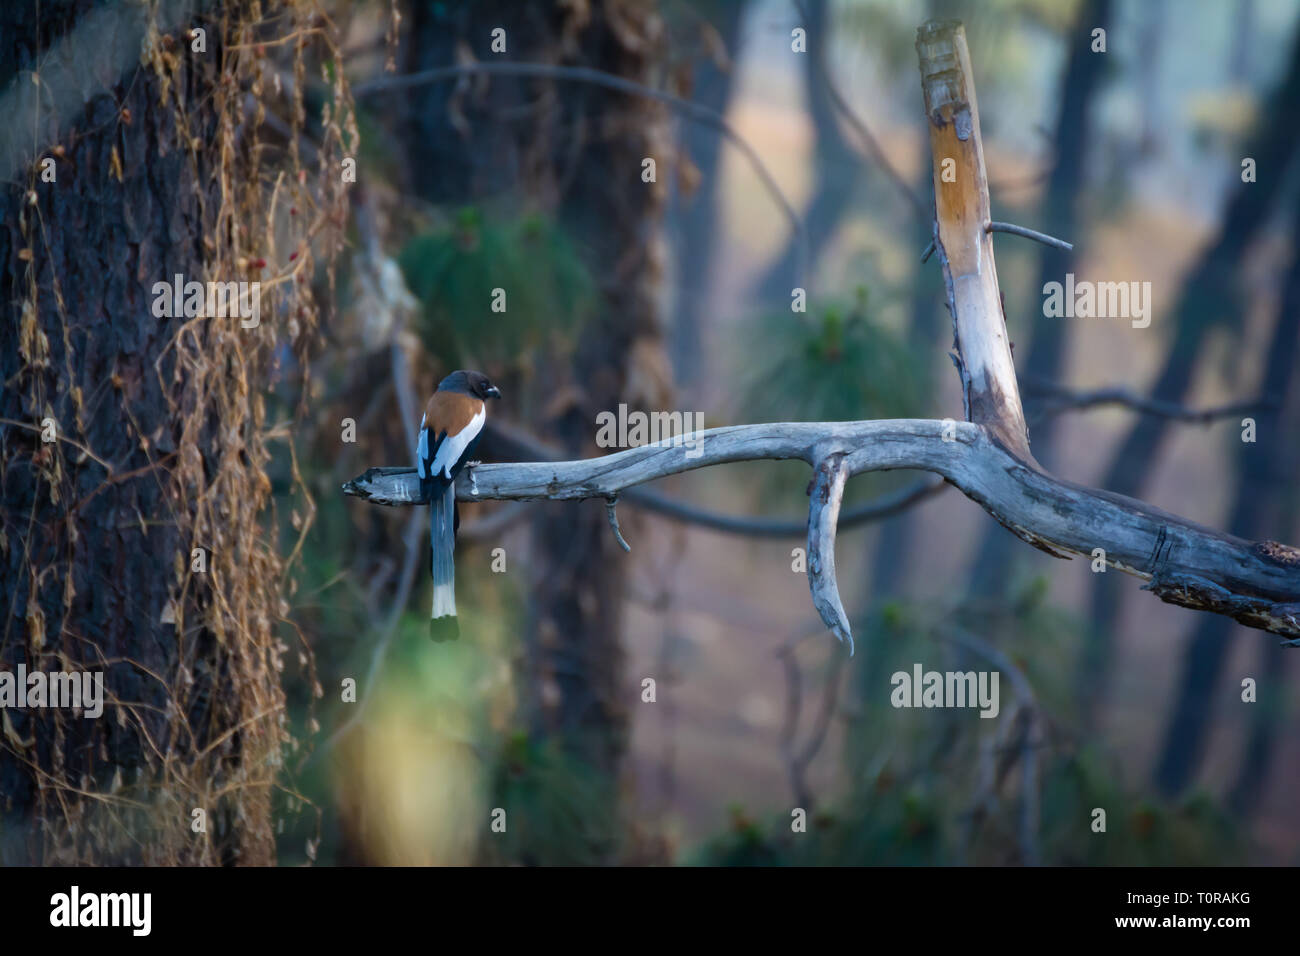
{"x":442,"y":543}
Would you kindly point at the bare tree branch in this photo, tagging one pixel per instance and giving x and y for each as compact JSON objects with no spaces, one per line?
{"x":1012,"y":229}
{"x":829,"y":476}
{"x":987,"y":457}
{"x":395,"y":300}
{"x":885,"y":506}
{"x":518,"y":443}
{"x":493,"y":525}
{"x":798,"y":759}
{"x":611,"y":512}
{"x":583,"y":74}
{"x":965,"y":248}
{"x":869,"y":141}
{"x":1025,"y":233}
{"x":1060,"y":399}
{"x":1028,"y":718}
{"x":1181,"y":562}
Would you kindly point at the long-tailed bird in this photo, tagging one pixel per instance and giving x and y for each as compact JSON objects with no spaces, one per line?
{"x":449,"y":432}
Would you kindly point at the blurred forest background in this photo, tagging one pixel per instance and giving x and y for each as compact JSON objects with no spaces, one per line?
{"x":672,"y":294}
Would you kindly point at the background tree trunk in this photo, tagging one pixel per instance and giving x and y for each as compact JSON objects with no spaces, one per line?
{"x":835,"y":167}
{"x":575,"y":153}
{"x":1209,"y":298}
{"x":1258,"y":511}
{"x":699,"y":215}
{"x":1044,"y":356}
{"x":576,"y":626}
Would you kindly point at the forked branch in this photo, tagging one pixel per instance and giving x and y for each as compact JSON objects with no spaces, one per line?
{"x":987,"y":458}
{"x":1181,"y":562}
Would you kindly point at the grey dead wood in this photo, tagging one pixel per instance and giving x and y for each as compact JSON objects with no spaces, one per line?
{"x":987,"y":457}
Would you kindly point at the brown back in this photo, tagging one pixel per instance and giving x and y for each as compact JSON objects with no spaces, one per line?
{"x":450,"y":412}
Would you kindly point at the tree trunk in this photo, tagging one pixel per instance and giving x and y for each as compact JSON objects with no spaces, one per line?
{"x":579,"y":153}
{"x":889,"y":548}
{"x":1209,"y":297}
{"x":1047,"y":342}
{"x":700,"y":214}
{"x":1258,"y":510}
{"x":836,"y":167}
{"x":576,"y":625}
{"x":158,"y":451}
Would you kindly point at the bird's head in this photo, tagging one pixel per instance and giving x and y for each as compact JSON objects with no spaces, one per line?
{"x":480,"y":386}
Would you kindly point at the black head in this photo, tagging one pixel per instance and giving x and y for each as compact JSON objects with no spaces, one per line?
{"x":470,"y":383}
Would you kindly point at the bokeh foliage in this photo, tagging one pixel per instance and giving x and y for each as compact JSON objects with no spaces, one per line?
{"x":834,"y":363}
{"x":454,"y":269}
{"x":914,"y":790}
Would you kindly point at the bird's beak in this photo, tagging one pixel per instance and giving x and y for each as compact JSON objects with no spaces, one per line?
{"x":493,"y":392}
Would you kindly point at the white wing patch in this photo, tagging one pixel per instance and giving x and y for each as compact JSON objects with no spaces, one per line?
{"x":422,"y":450}
{"x":453,"y":446}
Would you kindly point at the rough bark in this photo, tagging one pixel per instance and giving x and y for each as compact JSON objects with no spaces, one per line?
{"x":152,"y":459}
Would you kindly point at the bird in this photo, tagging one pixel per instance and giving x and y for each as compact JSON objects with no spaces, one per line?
{"x":449,"y":434}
